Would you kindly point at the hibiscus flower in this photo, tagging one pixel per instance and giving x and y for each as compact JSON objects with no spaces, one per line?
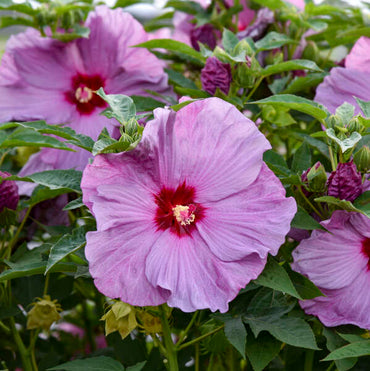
{"x":338,"y":262}
{"x":190,"y":215}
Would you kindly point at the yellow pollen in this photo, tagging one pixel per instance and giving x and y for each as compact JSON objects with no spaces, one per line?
{"x":83,"y":94}
{"x":183,"y":215}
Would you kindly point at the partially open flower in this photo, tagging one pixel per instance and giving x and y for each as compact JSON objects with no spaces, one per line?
{"x":216,"y":74}
{"x":44,"y":312}
{"x":9,"y":196}
{"x":345,"y":182}
{"x":121,"y":317}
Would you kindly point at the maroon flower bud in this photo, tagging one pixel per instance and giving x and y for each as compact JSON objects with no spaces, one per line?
{"x":216,"y":74}
{"x":345,"y":183}
{"x":264,"y":18}
{"x":204,"y":34}
{"x":9,"y":196}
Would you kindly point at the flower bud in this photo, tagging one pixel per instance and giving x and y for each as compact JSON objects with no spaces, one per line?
{"x":121,"y":317}
{"x":204,"y":34}
{"x":355,"y":125}
{"x":345,"y":183}
{"x":362,"y":159}
{"x":43,"y":314}
{"x":9,"y":196}
{"x":317,"y":178}
{"x":151,"y":324}
{"x":216,"y":74}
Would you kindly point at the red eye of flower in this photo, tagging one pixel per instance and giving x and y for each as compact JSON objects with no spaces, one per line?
{"x":366,"y":250}
{"x":177,"y":210}
{"x":82,"y":93}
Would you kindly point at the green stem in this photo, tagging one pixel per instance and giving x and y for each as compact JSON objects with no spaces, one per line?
{"x":189,"y":326}
{"x":200,"y":338}
{"x":308,"y":363}
{"x":310,"y":203}
{"x":256,"y":85}
{"x":15,"y":238}
{"x":333,"y":160}
{"x":169,"y":345}
{"x":31,"y":349}
{"x":25,"y":356}
{"x":46,"y":285}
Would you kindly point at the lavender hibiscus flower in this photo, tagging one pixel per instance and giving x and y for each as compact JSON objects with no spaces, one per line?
{"x":339,"y":264}
{"x":344,"y":83}
{"x":190,"y":215}
{"x":42,"y":78}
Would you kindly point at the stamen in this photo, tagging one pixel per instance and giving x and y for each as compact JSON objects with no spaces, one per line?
{"x":184,"y":214}
{"x":83,"y":94}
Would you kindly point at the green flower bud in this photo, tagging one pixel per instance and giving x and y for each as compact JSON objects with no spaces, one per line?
{"x":43,"y":314}
{"x":311,"y":52}
{"x":317,"y":178}
{"x":355,"y":125}
{"x":121,"y":317}
{"x":362,"y":159}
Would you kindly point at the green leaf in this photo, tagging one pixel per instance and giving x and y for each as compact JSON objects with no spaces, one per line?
{"x":66,"y":245}
{"x":296,"y":64}
{"x":235,"y":331}
{"x":262,"y":350}
{"x":122,"y":107}
{"x":365,"y":106}
{"x":363,"y":203}
{"x":297,"y":103}
{"x":138,"y":367}
{"x":144,"y":104}
{"x":229,"y":41}
{"x":272,"y":4}
{"x":305,"y":288}
{"x":301,"y":83}
{"x":176,"y":47}
{"x":80,"y":140}
{"x":303,"y":220}
{"x":275,"y":277}
{"x":342,"y":204}
{"x":41,"y":193}
{"x":8,"y":217}
{"x":75,"y":204}
{"x":179,"y":79}
{"x":101,"y":363}
{"x":344,"y":144}
{"x":57,"y":179}
{"x":27,"y":137}
{"x":273,"y":40}
{"x":345,"y":112}
{"x":301,"y":159}
{"x":190,"y":7}
{"x":357,"y":349}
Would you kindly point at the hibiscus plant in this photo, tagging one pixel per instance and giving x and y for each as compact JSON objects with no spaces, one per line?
{"x":184,"y":185}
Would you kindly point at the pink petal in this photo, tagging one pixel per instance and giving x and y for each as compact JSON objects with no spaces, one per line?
{"x":254,"y":220}
{"x":359,"y":58}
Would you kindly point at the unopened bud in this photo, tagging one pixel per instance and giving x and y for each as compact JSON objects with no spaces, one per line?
{"x":317,"y":178}
{"x":204,"y":34}
{"x":121,"y":317}
{"x":216,"y":74}
{"x":355,"y":125}
{"x":149,"y":323}
{"x":362,"y":159}
{"x":345,"y":183}
{"x":9,"y":196}
{"x":44,"y":312}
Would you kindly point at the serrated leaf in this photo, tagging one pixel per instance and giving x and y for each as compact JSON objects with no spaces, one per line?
{"x":363,"y":203}
{"x":101,"y":363}
{"x":144,"y":104}
{"x":75,"y":204}
{"x":229,"y":40}
{"x":357,"y":349}
{"x":275,"y":277}
{"x":344,"y":144}
{"x":345,"y":111}
{"x":121,"y":107}
{"x":301,"y":159}
{"x":365,"y":106}
{"x":41,"y":193}
{"x":66,"y":245}
{"x":179,"y":79}
{"x":297,"y":103}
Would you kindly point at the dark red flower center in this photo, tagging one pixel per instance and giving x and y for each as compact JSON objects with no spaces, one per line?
{"x":366,"y":250}
{"x":177,"y":210}
{"x":82,"y":93}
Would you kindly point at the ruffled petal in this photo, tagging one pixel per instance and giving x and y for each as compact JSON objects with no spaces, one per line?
{"x":341,"y":86}
{"x":117,"y":264}
{"x":195,"y":278}
{"x":255,"y":220}
{"x":205,"y":147}
{"x":359,"y":58}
